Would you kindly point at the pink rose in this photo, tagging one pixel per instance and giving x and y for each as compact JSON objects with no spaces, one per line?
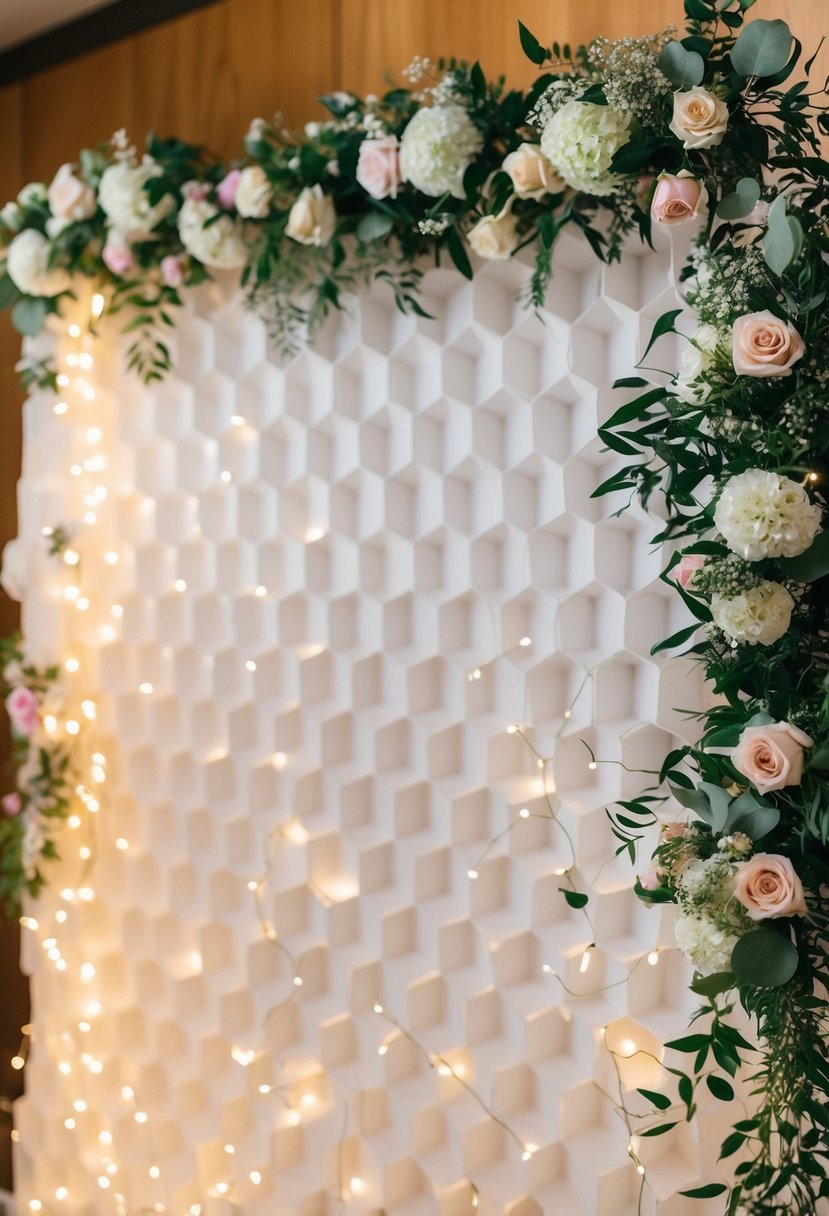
{"x":678,"y":198}
{"x":687,"y":568}
{"x":70,"y":198}
{"x":117,"y":255}
{"x":172,"y":269}
{"x":670,"y":831}
{"x":771,"y":757}
{"x":763,"y":345}
{"x":651,"y":879}
{"x":767,"y":886}
{"x":12,"y":803}
{"x":378,"y":167}
{"x":226,"y":189}
{"x":22,"y":707}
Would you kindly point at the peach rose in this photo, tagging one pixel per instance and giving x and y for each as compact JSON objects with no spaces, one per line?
{"x":494,"y":237}
{"x":378,"y":166}
{"x":767,"y":887}
{"x":678,"y":198}
{"x":651,"y":880}
{"x":313,"y":218}
{"x":70,"y":198}
{"x":531,"y":173}
{"x":700,"y":119}
{"x":763,"y":345}
{"x":771,"y":757}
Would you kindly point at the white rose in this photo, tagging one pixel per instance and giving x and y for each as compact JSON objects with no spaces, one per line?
{"x":27,"y":263}
{"x":580,"y":141}
{"x":253,"y":194}
{"x":220,"y":246}
{"x":33,"y":192}
{"x":124,"y":199}
{"x":14,"y":577}
{"x":700,"y":119}
{"x":761,"y":514}
{"x":12,"y":216}
{"x":494,"y":237}
{"x":312,"y":218}
{"x":437,"y":147}
{"x":759,"y":616}
{"x":70,"y":198}
{"x":531,"y":174}
{"x":696,"y":359}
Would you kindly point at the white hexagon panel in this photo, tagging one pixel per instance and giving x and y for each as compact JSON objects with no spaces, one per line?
{"x":346,"y":633}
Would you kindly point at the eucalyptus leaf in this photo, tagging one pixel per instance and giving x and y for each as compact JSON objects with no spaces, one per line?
{"x":783,"y":239}
{"x":751,"y":815}
{"x":764,"y":958}
{"x":719,"y":801}
{"x":29,"y":314}
{"x":741,"y":201}
{"x":762,"y":48}
{"x":373,"y":226}
{"x":683,"y":68}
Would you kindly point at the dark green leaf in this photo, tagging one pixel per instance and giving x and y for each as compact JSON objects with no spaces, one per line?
{"x":710,"y":1191}
{"x":576,"y":899}
{"x":720,"y":1088}
{"x":764,"y":958}
{"x":691,"y":1042}
{"x":713,"y":985}
{"x":664,"y":325}
{"x":658,"y":1131}
{"x":660,"y":1101}
{"x":8,"y":292}
{"x":530,"y":45}
{"x":458,"y":253}
{"x":731,"y":1144}
{"x":809,"y":566}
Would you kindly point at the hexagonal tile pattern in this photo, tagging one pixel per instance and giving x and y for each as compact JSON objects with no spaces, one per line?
{"x":336,"y":581}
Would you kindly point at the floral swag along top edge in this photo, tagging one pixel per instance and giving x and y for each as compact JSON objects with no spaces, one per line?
{"x":612,"y":137}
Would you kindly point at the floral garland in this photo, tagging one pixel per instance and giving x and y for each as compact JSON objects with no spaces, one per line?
{"x":611,"y":138}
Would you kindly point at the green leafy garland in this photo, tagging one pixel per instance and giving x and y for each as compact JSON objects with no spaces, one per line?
{"x":611,"y":138}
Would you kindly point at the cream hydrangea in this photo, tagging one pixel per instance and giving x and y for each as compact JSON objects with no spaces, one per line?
{"x":697,"y":358}
{"x":758,"y":616}
{"x":123,"y":196}
{"x":437,"y":147}
{"x":221,"y":245}
{"x":27,"y":265}
{"x":707,"y":945}
{"x":761,"y":514}
{"x":580,"y":141}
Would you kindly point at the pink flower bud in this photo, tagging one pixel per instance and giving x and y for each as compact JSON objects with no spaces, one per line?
{"x":226,"y":189}
{"x":678,"y":199}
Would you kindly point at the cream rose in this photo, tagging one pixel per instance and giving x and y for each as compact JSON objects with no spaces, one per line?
{"x":700,"y":119}
{"x":767,"y":887}
{"x":312,"y":219}
{"x":771,"y":757}
{"x":253,"y":193}
{"x":378,"y":166}
{"x":531,"y":173}
{"x":70,"y":198}
{"x":763,"y":345}
{"x":494,"y":237}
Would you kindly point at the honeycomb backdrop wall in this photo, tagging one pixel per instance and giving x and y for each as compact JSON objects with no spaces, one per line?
{"x":312,"y":597}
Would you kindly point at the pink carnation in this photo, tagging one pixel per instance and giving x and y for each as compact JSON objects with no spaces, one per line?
{"x":22,"y":707}
{"x":687,"y":568}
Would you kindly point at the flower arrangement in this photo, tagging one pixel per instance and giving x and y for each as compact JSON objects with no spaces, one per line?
{"x":611,"y":138}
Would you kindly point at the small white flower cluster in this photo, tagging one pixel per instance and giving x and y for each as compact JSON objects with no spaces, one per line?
{"x":434,"y":225}
{"x":697,"y":358}
{"x":580,"y":141}
{"x":761,"y":515}
{"x":631,"y":77}
{"x":710,"y":921}
{"x":553,"y":98}
{"x":437,"y":147}
{"x":419,"y":67}
{"x":723,"y":285}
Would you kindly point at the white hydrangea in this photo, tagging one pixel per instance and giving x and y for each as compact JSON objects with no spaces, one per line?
{"x":221,"y":245}
{"x":580,"y":141}
{"x":124,"y":199}
{"x":27,"y":265}
{"x":704,"y":943}
{"x":759,"y":616}
{"x":437,"y":147}
{"x":697,"y":358}
{"x":761,"y":514}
